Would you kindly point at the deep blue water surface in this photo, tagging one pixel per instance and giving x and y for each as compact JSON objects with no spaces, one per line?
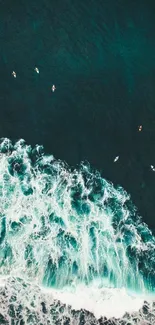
{"x":101,"y":57}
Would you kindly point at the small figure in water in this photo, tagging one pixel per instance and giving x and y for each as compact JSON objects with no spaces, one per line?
{"x":152,"y":167}
{"x":140,"y":128}
{"x":37,"y":70}
{"x":116,"y":158}
{"x":53,"y":88}
{"x":14,"y":74}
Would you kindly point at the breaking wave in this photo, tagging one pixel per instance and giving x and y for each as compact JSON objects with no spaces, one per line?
{"x":73,"y":249}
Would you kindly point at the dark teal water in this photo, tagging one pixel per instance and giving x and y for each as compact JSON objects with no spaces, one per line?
{"x":101,"y":57}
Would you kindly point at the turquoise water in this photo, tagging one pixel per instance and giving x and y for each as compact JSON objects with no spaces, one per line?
{"x":73,"y":247}
{"x":63,"y":229}
{"x":100,"y":55}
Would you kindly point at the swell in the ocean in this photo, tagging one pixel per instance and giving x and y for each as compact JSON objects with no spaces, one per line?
{"x":69,"y":241}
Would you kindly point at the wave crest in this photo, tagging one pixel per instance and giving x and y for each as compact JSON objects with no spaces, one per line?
{"x":62,"y":228}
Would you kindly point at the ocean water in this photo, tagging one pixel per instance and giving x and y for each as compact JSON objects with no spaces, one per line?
{"x":100,"y":55}
{"x":77,"y":230}
{"x":73,"y":249}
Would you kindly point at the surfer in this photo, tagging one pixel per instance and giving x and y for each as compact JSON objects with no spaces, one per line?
{"x":14,"y":74}
{"x":36,"y":69}
{"x":53,"y":88}
{"x":116,"y":158}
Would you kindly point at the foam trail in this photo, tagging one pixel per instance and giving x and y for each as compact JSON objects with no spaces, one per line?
{"x":70,"y":232}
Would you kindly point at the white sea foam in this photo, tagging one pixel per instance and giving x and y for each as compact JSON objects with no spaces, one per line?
{"x":71,"y":232}
{"x":108,"y":302}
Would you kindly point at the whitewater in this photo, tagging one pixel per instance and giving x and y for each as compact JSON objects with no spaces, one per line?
{"x":73,"y":249}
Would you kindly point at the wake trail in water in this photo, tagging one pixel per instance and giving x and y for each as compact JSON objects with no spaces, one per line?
{"x":73,"y":249}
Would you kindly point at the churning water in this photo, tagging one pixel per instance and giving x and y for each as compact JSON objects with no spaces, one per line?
{"x":73,"y":249}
